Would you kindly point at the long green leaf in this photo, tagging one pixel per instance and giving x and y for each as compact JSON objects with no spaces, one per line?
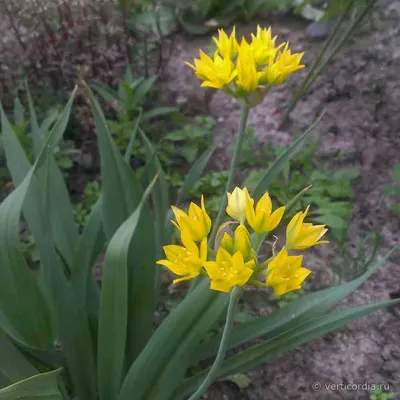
{"x":37,"y":137}
{"x":265,"y":352}
{"x":160,"y":193}
{"x":195,"y":173}
{"x":60,"y":209}
{"x":70,"y":321}
{"x":300,"y":311}
{"x":120,"y":196}
{"x":113,"y":319}
{"x":91,"y":243}
{"x":174,"y":370}
{"x":165,"y":342}
{"x":69,"y":314}
{"x":4,"y":381}
{"x":38,"y":387}
{"x":24,"y":314}
{"x":13,"y":365}
{"x":276,"y":167}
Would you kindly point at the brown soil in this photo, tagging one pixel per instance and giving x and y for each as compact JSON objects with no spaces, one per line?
{"x":360,"y":91}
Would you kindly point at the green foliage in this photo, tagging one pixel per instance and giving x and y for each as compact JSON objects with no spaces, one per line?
{"x":202,"y":16}
{"x":129,"y":98}
{"x":331,"y":195}
{"x":23,"y":128}
{"x":378,"y":394}
{"x":393,"y":189}
{"x":212,"y":186}
{"x":82,"y":210}
{"x":41,"y":386}
{"x":104,"y":333}
{"x":188,"y":142}
{"x":288,"y":298}
{"x":354,"y":262}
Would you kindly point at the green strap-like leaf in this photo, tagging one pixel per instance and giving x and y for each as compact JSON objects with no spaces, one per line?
{"x":13,"y":365}
{"x":165,"y":342}
{"x":195,"y":173}
{"x":91,"y":243}
{"x":60,"y":208}
{"x":69,"y":314}
{"x":113,"y":319}
{"x":174,"y":370}
{"x":300,"y":311}
{"x":38,"y":387}
{"x":70,"y":320}
{"x":37,"y":137}
{"x":24,"y":314}
{"x":265,"y":352}
{"x":121,"y":194}
{"x":277,"y":166}
{"x":160,"y":193}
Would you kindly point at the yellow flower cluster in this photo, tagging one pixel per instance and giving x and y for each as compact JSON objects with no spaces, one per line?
{"x":235,"y":262}
{"x":246,"y":67}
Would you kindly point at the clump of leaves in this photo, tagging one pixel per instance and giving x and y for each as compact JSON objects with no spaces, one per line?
{"x":188,"y":142}
{"x":82,"y":209}
{"x":393,"y":189}
{"x":331,"y":195}
{"x":288,"y":298}
{"x":63,"y":153}
{"x":358,"y":257}
{"x":212,"y":186}
{"x":377,"y":394}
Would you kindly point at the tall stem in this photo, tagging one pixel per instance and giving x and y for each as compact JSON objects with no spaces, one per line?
{"x":232,"y":173}
{"x":223,"y":346}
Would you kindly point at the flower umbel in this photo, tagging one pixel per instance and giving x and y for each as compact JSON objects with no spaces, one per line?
{"x":285,"y":273}
{"x":186,"y":261}
{"x":196,"y":223}
{"x":234,"y":262}
{"x":263,"y":220}
{"x":301,"y":235}
{"x":247,"y":70}
{"x":228,"y":270}
{"x":237,"y":204}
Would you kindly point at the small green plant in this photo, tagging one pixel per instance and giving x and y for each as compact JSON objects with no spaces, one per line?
{"x":330,"y":196}
{"x":211,"y":185}
{"x":63,"y":152}
{"x":83,"y":209}
{"x":351,"y":262}
{"x":188,"y":142}
{"x":378,"y":394}
{"x":131,"y":99}
{"x":393,"y":189}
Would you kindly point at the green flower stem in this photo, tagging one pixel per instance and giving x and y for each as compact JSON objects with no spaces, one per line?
{"x":258,"y":284}
{"x":258,"y":241}
{"x":211,"y":251}
{"x":232,"y":173}
{"x":263,"y":236}
{"x":263,"y":265}
{"x":223,"y":346}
